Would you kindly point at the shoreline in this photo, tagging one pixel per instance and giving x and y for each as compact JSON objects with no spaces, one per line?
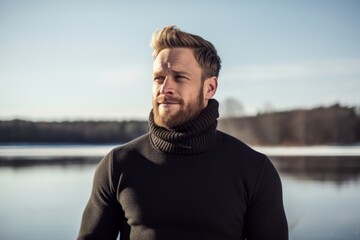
{"x":312,"y":157}
{"x":83,"y":151}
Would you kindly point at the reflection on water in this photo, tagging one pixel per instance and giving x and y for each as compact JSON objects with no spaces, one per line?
{"x":43,"y":202}
{"x":333,"y":169}
{"x":55,"y":161}
{"x":321,"y":198}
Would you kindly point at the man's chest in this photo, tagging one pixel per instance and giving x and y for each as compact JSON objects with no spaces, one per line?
{"x":161,"y":197}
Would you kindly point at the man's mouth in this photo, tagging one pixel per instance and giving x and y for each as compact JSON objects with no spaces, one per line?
{"x":165,"y":100}
{"x":168,"y":102}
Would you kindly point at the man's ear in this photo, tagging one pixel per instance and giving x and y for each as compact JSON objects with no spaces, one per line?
{"x":210,"y":86}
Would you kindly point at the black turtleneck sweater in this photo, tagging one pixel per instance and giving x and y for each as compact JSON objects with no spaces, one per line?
{"x":190,"y":182}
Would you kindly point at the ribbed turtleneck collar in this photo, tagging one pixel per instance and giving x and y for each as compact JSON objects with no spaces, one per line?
{"x":193,"y":137}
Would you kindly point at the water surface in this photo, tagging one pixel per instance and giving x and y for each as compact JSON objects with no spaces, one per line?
{"x":42,"y":201}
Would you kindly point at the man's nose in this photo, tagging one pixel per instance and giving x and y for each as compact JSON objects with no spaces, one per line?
{"x":167,"y":87}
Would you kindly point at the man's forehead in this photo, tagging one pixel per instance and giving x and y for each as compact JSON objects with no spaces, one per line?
{"x":169,"y":65}
{"x":174,"y":59}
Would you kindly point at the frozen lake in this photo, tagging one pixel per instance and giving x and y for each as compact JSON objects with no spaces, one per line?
{"x":53,"y":151}
{"x":45,"y":201}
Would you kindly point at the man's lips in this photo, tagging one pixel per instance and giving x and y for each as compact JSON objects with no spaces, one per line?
{"x":164,"y":100}
{"x":168,"y":102}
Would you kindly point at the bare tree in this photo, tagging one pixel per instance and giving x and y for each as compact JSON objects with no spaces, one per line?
{"x":268,"y":107}
{"x":233,"y":108}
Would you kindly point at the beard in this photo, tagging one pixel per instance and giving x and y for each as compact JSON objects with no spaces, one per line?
{"x":188,"y":110}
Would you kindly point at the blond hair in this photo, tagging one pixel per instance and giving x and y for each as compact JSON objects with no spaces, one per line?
{"x":204,"y":51}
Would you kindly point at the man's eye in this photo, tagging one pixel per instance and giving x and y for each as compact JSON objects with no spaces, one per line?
{"x":180,"y":77}
{"x":159,"y":78}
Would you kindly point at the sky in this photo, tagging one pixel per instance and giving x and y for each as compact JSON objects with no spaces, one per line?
{"x":91,"y":60}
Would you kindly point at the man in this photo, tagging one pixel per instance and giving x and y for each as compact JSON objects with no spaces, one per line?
{"x":184,"y":179}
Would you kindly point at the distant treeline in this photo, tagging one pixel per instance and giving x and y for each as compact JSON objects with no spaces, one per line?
{"x":318,"y":126}
{"x":331,"y":125}
{"x":20,"y":131}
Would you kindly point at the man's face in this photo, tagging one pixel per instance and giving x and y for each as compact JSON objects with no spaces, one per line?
{"x":178,"y":90}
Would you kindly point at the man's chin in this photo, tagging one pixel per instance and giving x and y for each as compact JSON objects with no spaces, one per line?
{"x":166,"y":121}
{"x":168,"y":109}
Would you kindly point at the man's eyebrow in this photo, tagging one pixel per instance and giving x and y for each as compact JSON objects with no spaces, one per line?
{"x":158,"y":71}
{"x":175,"y":72}
{"x":180,"y":72}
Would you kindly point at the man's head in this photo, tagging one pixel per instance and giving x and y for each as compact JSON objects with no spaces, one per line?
{"x":203,"y":50}
{"x":185,"y":74}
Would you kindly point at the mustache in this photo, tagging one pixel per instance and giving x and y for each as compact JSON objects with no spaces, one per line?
{"x":166,"y":98}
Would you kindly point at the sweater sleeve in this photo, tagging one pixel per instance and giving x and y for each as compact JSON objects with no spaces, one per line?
{"x":265,"y":217}
{"x":103,"y":216}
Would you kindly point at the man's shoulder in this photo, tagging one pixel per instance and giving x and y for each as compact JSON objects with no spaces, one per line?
{"x":237,"y":146}
{"x":243,"y":158}
{"x":122,"y":156}
{"x":133,"y":144}
{"x":131,"y":147}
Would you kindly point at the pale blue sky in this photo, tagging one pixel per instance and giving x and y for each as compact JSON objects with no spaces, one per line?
{"x":68,"y":60}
